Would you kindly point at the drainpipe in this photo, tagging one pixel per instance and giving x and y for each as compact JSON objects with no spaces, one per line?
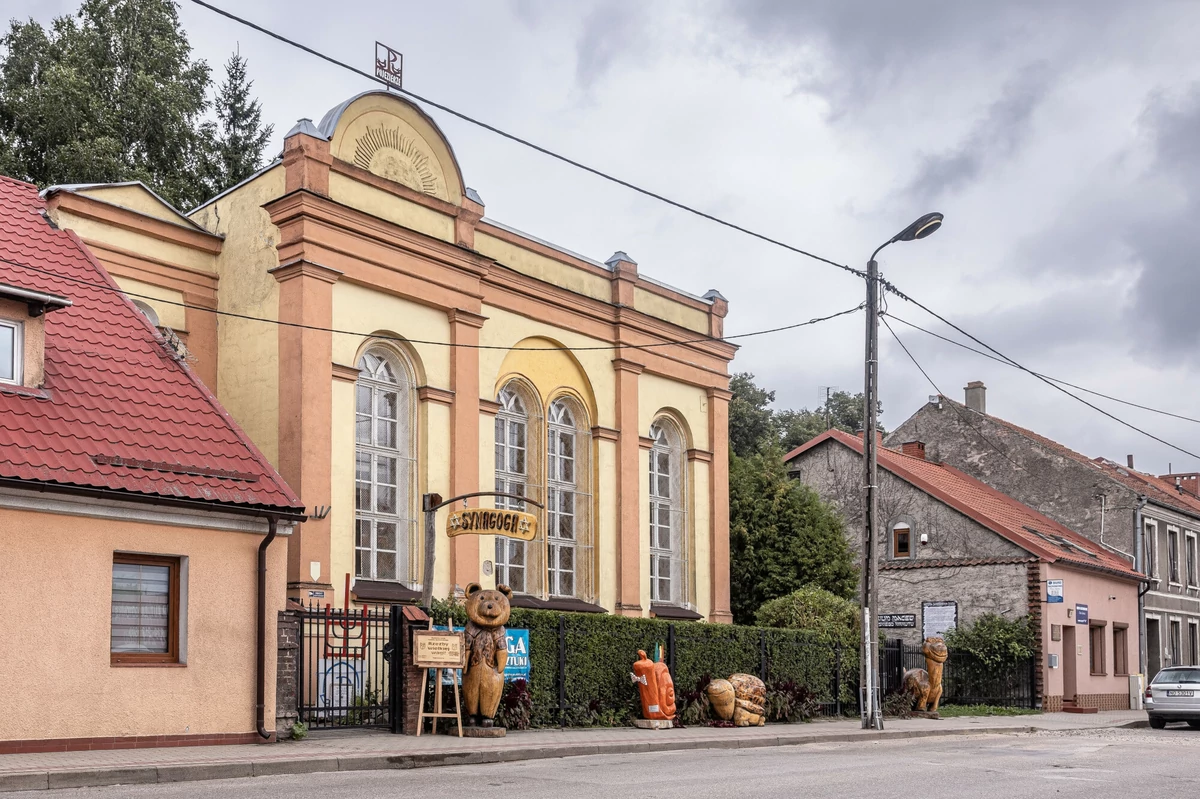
{"x":260,"y":696}
{"x":1139,"y":554}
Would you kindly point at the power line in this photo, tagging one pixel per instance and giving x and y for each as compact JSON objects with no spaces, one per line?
{"x":525,"y":142}
{"x":316,"y":328}
{"x":954,"y":406}
{"x":949,"y":340}
{"x":889,"y":287}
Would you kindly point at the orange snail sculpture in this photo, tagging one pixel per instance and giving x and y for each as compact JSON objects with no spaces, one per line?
{"x":655,"y":687}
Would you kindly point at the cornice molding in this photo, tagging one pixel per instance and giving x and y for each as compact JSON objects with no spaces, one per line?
{"x":605,"y":434}
{"x":460,"y":316}
{"x":701,"y":455}
{"x":720,"y":394}
{"x":348,"y":374}
{"x":303,"y":268}
{"x":623,"y":365}
{"x":439,"y":395}
{"x":489,"y":407}
{"x":645,"y":442}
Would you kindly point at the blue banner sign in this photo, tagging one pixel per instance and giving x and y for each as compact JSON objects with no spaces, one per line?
{"x":1054,"y":590}
{"x":1081,"y":614}
{"x":517,"y":667}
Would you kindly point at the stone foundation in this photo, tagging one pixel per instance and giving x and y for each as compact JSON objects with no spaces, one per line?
{"x":1103,"y":701}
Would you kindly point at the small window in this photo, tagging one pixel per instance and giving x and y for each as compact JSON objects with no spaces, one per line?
{"x":1096,"y":634}
{"x":901,"y":541}
{"x":145,"y":609}
{"x":1176,"y":643}
{"x":147,"y":312}
{"x":1120,"y":650}
{"x":1194,"y":643}
{"x":1150,"y":544}
{"x":12,"y":352}
{"x":1173,"y":555}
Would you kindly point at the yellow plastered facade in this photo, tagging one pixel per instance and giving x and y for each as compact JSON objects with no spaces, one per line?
{"x":168,"y":304}
{"x":136,"y":197}
{"x":451,"y":278}
{"x":93,"y":230}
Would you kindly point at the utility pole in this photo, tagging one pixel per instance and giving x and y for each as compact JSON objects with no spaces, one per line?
{"x":871,"y":708}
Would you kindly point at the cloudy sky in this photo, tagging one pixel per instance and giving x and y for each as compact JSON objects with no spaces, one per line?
{"x":1060,"y":139}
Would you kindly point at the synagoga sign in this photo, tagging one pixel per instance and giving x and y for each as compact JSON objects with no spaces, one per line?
{"x":485,"y":521}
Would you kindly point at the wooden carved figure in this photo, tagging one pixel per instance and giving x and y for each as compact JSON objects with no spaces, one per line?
{"x":750,"y":700}
{"x":721,"y":698}
{"x":655,"y":687}
{"x":925,"y":685}
{"x":487,"y":652}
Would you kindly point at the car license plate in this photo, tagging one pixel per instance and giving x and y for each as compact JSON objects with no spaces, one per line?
{"x":1181,"y":693}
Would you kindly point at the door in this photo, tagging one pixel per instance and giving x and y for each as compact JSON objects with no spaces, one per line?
{"x":1069,"y":661}
{"x":1153,"y":649}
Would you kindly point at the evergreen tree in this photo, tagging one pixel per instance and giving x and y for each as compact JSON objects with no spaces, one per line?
{"x":751,"y":422}
{"x":782,"y":537}
{"x":242,"y":136}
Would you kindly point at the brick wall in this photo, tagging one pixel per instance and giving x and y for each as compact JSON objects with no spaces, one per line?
{"x":413,"y":619}
{"x":1103,"y":701}
{"x":1052,"y":704}
{"x":287,"y":673}
{"x":1034,"y":598}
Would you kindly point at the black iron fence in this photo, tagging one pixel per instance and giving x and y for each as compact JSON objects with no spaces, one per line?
{"x":343,"y":672}
{"x":966,"y":680}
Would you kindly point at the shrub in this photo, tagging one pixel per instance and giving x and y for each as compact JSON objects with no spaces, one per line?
{"x":516,"y":706}
{"x":995,"y":640}
{"x":898,"y":705}
{"x":824,"y":617}
{"x":787,"y":701}
{"x":299,"y":731}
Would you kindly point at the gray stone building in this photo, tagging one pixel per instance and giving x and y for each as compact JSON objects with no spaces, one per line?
{"x":952,"y":549}
{"x":1125,"y":511}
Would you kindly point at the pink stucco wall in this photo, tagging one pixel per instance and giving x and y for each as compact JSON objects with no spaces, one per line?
{"x":56,"y":590}
{"x":1108,"y":599}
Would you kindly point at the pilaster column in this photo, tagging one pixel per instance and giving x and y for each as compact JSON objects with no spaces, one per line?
{"x":718,"y":486}
{"x":305,"y":411}
{"x":306,"y":159}
{"x":629,"y":494}
{"x":464,"y":434}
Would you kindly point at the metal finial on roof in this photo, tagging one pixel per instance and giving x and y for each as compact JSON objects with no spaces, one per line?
{"x":306,"y":127}
{"x":617,"y":257}
{"x":474,"y":196}
{"x":713,"y":294}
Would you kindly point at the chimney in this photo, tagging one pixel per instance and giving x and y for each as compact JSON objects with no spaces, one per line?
{"x":862,"y":436}
{"x":1185,"y":483}
{"x":976,"y":393}
{"x":1129,"y":460}
{"x":915,"y":449}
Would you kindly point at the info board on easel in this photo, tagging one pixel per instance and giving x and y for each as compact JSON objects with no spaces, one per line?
{"x":439,"y":651}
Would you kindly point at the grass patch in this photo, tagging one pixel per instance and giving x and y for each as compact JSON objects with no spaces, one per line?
{"x":954,"y":711}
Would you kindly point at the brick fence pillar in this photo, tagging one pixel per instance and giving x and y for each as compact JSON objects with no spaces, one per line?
{"x":287,"y":673}
{"x":1035,"y":593}
{"x":413,"y":619}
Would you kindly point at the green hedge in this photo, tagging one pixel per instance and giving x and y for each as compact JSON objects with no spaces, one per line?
{"x":601,"y":649}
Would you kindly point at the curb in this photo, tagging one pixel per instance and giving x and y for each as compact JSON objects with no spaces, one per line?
{"x":125,"y":775}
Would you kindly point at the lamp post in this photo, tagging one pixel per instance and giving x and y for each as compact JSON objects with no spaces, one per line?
{"x":872,"y":713}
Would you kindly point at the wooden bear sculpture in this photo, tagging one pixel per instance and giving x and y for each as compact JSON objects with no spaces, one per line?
{"x":925,"y":685}
{"x":487,"y":652}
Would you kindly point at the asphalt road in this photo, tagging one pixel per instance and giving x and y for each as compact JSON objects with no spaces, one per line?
{"x":1094,"y":764}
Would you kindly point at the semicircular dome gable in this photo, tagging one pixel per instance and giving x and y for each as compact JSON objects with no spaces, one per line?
{"x":392,"y":138}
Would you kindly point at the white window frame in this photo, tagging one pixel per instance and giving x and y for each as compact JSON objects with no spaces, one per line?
{"x":568,"y":501}
{"x":1174,"y":576}
{"x":18,"y":353}
{"x":668,"y":442}
{"x":1175,"y":647}
{"x":1192,"y":567}
{"x":516,"y":416}
{"x":912,"y":550}
{"x":1193,"y":642}
{"x":1150,"y":543}
{"x":403,"y":454}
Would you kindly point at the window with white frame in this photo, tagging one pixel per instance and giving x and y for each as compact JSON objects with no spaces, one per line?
{"x":1150,"y":547}
{"x":12,"y":351}
{"x":516,"y":564}
{"x":1173,"y":554}
{"x":1189,"y":560}
{"x":385,"y":470}
{"x":568,"y":528}
{"x":668,"y":518}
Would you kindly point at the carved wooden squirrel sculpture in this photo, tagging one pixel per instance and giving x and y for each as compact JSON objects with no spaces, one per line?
{"x":487,"y":652}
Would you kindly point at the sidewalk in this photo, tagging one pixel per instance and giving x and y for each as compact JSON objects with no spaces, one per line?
{"x":351,"y":751}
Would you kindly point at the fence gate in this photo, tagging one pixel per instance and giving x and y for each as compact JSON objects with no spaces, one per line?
{"x":343,"y":679}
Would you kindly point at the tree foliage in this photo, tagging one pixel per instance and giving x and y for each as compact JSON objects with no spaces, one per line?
{"x":113,"y":94}
{"x":995,"y":640}
{"x":782,"y":537}
{"x":242,"y":136}
{"x":819,"y":614}
{"x":756,"y":427}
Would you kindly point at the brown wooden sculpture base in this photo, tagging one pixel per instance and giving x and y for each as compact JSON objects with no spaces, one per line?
{"x":925,"y":714}
{"x":483,"y":732}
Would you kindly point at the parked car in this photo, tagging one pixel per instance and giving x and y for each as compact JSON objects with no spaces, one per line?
{"x":1174,"y":695}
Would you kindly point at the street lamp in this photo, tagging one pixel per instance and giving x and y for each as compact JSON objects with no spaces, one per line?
{"x":872,"y":713}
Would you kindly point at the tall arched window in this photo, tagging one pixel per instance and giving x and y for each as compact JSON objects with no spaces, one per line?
{"x":385,"y":545}
{"x":568,"y":504}
{"x":668,"y":516}
{"x":516,"y":562}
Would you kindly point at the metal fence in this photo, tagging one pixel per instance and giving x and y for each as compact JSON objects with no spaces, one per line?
{"x":966,"y":680}
{"x":343,"y":672}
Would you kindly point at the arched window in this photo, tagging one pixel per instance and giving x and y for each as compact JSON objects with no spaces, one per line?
{"x":385,"y":545}
{"x":147,"y":311}
{"x":516,"y":562}
{"x":902,"y":540}
{"x":668,"y":516}
{"x":568,"y":503}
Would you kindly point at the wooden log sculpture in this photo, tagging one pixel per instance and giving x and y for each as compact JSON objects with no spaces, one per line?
{"x":722,"y":699}
{"x":487,"y":652}
{"x":925,"y":685}
{"x":750,"y":700}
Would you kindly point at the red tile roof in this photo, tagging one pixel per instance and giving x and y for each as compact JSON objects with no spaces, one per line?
{"x":117,"y":411}
{"x":1003,"y":515}
{"x":1160,"y":491}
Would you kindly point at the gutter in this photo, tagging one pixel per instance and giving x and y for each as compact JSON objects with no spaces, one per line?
{"x":1139,"y":550}
{"x":260,"y":688}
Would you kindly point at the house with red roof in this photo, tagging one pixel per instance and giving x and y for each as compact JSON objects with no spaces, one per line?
{"x":1151,"y":521}
{"x":136,"y":518}
{"x":953,"y":548}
